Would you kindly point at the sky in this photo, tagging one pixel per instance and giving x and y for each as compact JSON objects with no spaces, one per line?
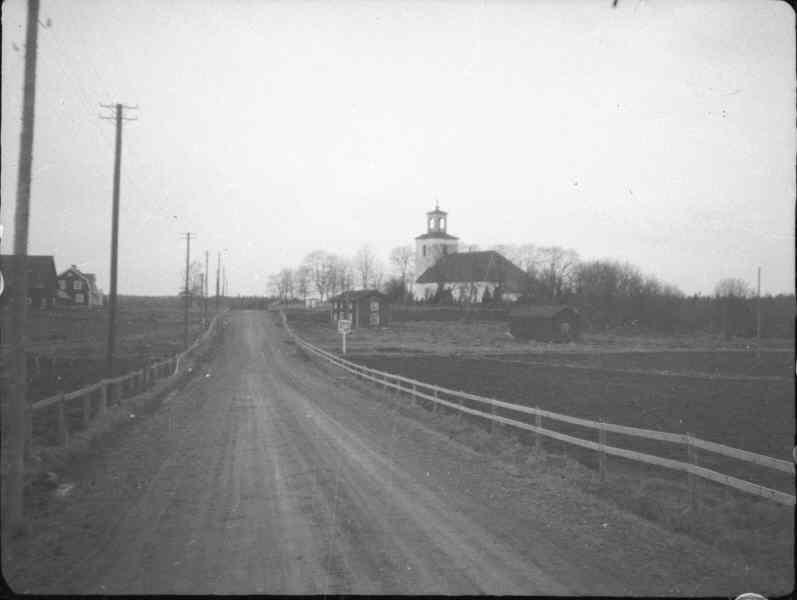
{"x":661,"y":133}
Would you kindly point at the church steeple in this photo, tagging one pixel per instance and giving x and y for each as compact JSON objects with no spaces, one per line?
{"x":436,"y":220}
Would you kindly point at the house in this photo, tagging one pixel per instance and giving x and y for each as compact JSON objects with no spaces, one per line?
{"x":468,"y":275}
{"x":462,"y":276}
{"x":364,"y":308}
{"x":545,"y":323}
{"x":42,"y":278}
{"x":78,"y":288}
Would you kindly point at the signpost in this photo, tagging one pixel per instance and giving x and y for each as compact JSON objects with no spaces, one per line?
{"x":344,"y":328}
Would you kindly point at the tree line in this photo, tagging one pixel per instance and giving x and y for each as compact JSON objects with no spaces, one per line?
{"x":607,"y":293}
{"x":324,"y":274}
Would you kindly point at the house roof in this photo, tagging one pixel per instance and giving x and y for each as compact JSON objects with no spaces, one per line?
{"x":539,"y":311}
{"x":437,"y":235}
{"x":357,"y":294}
{"x":487,"y":265}
{"x":41,"y":266}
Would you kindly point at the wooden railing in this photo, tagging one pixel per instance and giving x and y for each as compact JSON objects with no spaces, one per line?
{"x":111,"y":391}
{"x":453,"y":399}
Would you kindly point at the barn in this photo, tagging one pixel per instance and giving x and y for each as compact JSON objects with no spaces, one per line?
{"x":545,"y":323}
{"x":364,"y":308}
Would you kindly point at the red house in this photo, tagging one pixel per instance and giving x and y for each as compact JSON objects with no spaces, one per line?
{"x":78,"y":288}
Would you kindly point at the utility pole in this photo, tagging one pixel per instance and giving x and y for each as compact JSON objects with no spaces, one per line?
{"x":187,"y":293}
{"x":117,"y":167}
{"x":218,"y":271}
{"x":758,"y":316}
{"x":17,"y":414}
{"x":205,"y":290}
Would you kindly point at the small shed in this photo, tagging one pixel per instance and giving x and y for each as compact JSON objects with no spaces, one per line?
{"x":557,"y":323}
{"x":364,"y":308}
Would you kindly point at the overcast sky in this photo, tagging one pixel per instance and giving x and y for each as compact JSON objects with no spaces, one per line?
{"x":659,"y":132}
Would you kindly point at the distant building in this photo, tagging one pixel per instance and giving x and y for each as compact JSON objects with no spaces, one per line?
{"x":78,"y":288}
{"x":435,"y":243}
{"x":41,"y":280}
{"x":461,"y":276}
{"x":364,"y":308}
{"x":545,"y":323}
{"x":467,"y":276}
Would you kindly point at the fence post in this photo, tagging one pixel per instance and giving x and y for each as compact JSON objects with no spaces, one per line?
{"x":538,"y":424}
{"x":86,"y":410}
{"x":28,"y":431}
{"x":434,"y":404}
{"x":63,"y":430}
{"x":602,"y":455}
{"x":492,"y":421}
{"x":692,"y":453}
{"x":103,"y":404}
{"x":413,"y":395}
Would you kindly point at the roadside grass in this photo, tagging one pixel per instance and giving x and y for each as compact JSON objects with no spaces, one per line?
{"x":48,"y":462}
{"x":759,"y":531}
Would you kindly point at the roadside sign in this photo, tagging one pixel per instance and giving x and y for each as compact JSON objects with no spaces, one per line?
{"x":344,"y":328}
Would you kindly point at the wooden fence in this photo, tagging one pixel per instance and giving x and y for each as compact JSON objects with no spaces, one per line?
{"x":97,"y":397}
{"x":453,"y":399}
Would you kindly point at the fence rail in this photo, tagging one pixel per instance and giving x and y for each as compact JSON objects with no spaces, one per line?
{"x":433,"y":392}
{"x":111,"y":389}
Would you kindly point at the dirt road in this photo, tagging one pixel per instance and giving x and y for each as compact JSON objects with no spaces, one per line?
{"x":270,"y":474}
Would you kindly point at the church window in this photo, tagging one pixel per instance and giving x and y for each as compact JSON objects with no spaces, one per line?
{"x":423,"y":250}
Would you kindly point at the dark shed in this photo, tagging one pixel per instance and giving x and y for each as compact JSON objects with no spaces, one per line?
{"x":365,"y":308}
{"x":42,"y":279}
{"x":545,"y":323}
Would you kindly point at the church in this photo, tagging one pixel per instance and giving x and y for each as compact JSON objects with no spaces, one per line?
{"x":467,"y":276}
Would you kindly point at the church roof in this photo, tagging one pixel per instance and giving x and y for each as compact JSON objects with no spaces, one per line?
{"x":463,"y":267}
{"x":438,"y":235}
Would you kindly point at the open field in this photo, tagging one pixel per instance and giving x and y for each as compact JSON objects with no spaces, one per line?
{"x":723,"y":395}
{"x":703,"y":354}
{"x":67,"y":344}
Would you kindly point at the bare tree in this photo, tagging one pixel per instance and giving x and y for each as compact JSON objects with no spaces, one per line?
{"x":365,"y":263}
{"x":401,"y":257}
{"x":557,"y":268}
{"x":732,"y":288}
{"x":317,"y":264}
{"x":302,"y":281}
{"x":286,"y":284}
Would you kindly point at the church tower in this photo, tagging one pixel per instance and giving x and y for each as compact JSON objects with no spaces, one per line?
{"x":435,"y":243}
